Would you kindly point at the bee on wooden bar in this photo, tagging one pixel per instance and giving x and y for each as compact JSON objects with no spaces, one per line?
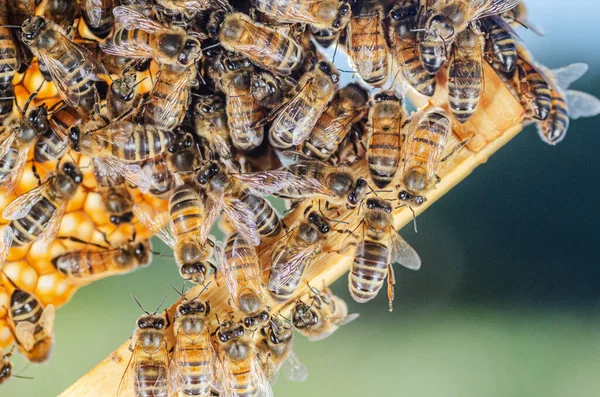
{"x":532,"y":86}
{"x":500,"y":47}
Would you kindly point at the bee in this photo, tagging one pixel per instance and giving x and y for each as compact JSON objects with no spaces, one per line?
{"x":108,"y":261}
{"x":338,"y":185}
{"x":366,"y":44}
{"x":37,"y":214}
{"x":72,"y":68}
{"x":242,"y":373}
{"x":566,"y":104}
{"x":183,"y":158}
{"x":500,"y":47}
{"x":404,"y":47}
{"x":98,"y":16}
{"x":10,"y":62}
{"x":270,"y":90}
{"x":194,"y":366}
{"x":386,"y":119}
{"x":532,"y":86}
{"x":142,"y":37}
{"x":298,"y":117}
{"x":5,"y":365}
{"x":346,"y":107}
{"x":52,"y":142}
{"x":325,"y":314}
{"x":275,"y":352}
{"x":293,"y":253}
{"x":517,"y":16}
{"x":147,"y":373}
{"x":188,"y":8}
{"x":465,"y":74}
{"x":240,"y":196}
{"x":327,"y":37}
{"x":113,"y":189}
{"x":433,"y":40}
{"x":424,"y":148}
{"x":320,"y":14}
{"x":122,"y":97}
{"x":210,"y":121}
{"x":263,"y":46}
{"x":243,"y":111}
{"x":32,"y":324}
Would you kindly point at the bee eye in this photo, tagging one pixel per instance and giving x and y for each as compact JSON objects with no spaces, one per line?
{"x":272,"y":88}
{"x":140,"y":249}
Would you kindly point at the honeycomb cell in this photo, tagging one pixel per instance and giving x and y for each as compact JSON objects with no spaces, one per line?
{"x":77,"y":224}
{"x":53,"y":288}
{"x":94,"y":207}
{"x":4,"y":302}
{"x":6,"y":336}
{"x":22,"y":274}
{"x":41,"y":258}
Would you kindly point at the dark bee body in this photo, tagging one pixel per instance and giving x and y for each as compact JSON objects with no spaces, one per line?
{"x":533,"y":88}
{"x":404,"y":49}
{"x":9,"y":64}
{"x":267,"y":220}
{"x":53,"y":143}
{"x":386,"y":119}
{"x":98,"y":17}
{"x":501,"y":51}
{"x":553,"y":129}
{"x":432,"y":41}
{"x":210,"y":120}
{"x":160,"y":176}
{"x":366,"y":41}
{"x":5,"y":366}
{"x":113,"y":189}
{"x":90,"y":264}
{"x":465,"y":75}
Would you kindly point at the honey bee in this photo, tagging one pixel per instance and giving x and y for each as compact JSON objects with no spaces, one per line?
{"x":5,"y":366}
{"x":298,"y":117}
{"x":433,"y":40}
{"x":188,"y":8}
{"x":293,"y":253}
{"x":404,"y":48}
{"x":321,"y":14}
{"x":32,"y":324}
{"x":52,"y":142}
{"x":270,"y":90}
{"x":346,"y":107}
{"x":566,"y":104}
{"x":242,"y":373}
{"x":72,"y":68}
{"x":338,"y":185}
{"x":61,"y":12}
{"x":98,"y":16}
{"x":275,"y":352}
{"x":147,"y":373}
{"x":500,"y":48}
{"x":142,"y":37}
{"x":122,"y":97}
{"x":108,"y":261}
{"x":263,"y":46}
{"x":159,"y":176}
{"x":378,"y":248}
{"x":532,"y":86}
{"x":244,"y":113}
{"x":113,"y":189}
{"x":210,"y":121}
{"x":10,"y":62}
{"x":240,"y":196}
{"x":465,"y":74}
{"x":184,"y":159}
{"x":325,"y":314}
{"x":386,"y":119}
{"x":366,"y":46}
{"x":194,"y":366}
{"x":37,"y":214}
{"x":424,"y":148}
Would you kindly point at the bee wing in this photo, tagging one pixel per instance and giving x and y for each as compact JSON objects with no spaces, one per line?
{"x":178,"y":362}
{"x":93,"y":12}
{"x":172,"y":101}
{"x":8,"y":137}
{"x":242,"y":219}
{"x":296,"y":116}
{"x":297,"y":14}
{"x":17,"y":173}
{"x":213,"y":210}
{"x":240,"y":105}
{"x":21,"y":205}
{"x":129,"y":380}
{"x":582,"y":104}
{"x":131,"y":19}
{"x":47,"y":319}
{"x":336,"y":127}
{"x":53,"y":226}
{"x":217,"y":376}
{"x":567,"y":75}
{"x":290,"y":268}
{"x":486,"y":8}
{"x":237,"y":259}
{"x":263,"y":387}
{"x":24,"y":333}
{"x":294,"y":369}
{"x":157,"y":221}
{"x":266,"y":183}
{"x":340,"y":321}
{"x":403,"y":253}
{"x":5,"y":244}
{"x":132,"y":172}
{"x":506,"y":26}
{"x":134,"y":49}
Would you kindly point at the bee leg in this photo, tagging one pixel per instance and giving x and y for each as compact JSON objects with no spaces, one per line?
{"x":455,"y":149}
{"x":214,"y":273}
{"x":391,"y":281}
{"x":35,"y":173}
{"x":207,"y":308}
{"x":168,"y":319}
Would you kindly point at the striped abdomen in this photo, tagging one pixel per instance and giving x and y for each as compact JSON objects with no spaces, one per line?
{"x":267,"y":221}
{"x":243,"y":383}
{"x":159,"y":99}
{"x":8,"y":68}
{"x":100,"y":19}
{"x":534,"y":89}
{"x":554,"y":128}
{"x":84,"y":89}
{"x":367,"y":49}
{"x":52,"y":144}
{"x":8,"y":163}
{"x":334,"y":121}
{"x":465,"y":76}
{"x":241,"y":264}
{"x":243,"y":112}
{"x":186,"y":208}
{"x":369,"y":270}
{"x":195,"y":368}
{"x":161,"y":179}
{"x":83,"y":264}
{"x":383,"y":153}
{"x":144,"y":143}
{"x":285,"y":291}
{"x":28,"y":228}
{"x":406,"y":55}
{"x":151,"y":379}
{"x":501,"y":50}
{"x":24,"y":307}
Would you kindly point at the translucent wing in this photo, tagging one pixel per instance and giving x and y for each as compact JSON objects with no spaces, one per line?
{"x":300,"y":14}
{"x":294,"y":369}
{"x":47,"y":319}
{"x":132,"y":172}
{"x":17,"y":172}
{"x":22,"y":205}
{"x":172,"y":102}
{"x":334,"y":130}
{"x":235,"y":260}
{"x":485,"y":8}
{"x":5,"y":244}
{"x":217,"y":377}
{"x":266,"y":183}
{"x":506,"y":26}
{"x":187,"y":349}
{"x":582,"y":104}
{"x":213,"y":210}
{"x":157,"y":222}
{"x":130,"y":383}
{"x":52,"y":227}
{"x":243,"y":107}
{"x":93,"y":12}
{"x":528,"y":24}
{"x":377,"y":127}
{"x":569,"y":74}
{"x":263,"y":387}
{"x":403,"y":253}
{"x":341,"y":321}
{"x":8,"y":137}
{"x":360,"y":35}
{"x":24,"y":332}
{"x":132,"y":19}
{"x":128,"y":380}
{"x":132,"y":49}
{"x":288,"y":267}
{"x":242,"y":219}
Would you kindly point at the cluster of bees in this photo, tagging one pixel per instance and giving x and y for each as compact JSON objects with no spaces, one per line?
{"x":184,"y":110}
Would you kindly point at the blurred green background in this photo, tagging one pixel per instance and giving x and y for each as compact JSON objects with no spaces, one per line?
{"x":507,"y":302}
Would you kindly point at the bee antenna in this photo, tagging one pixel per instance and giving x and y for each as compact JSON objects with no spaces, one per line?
{"x":139,"y":304}
{"x":373,"y":191}
{"x":211,"y":46}
{"x":64,"y":105}
{"x":139,"y":82}
{"x":12,"y":26}
{"x":203,"y":289}
{"x":161,"y":303}
{"x":176,"y":290}
{"x":218,"y":321}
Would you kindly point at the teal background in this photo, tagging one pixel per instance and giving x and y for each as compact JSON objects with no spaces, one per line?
{"x":507,"y":302}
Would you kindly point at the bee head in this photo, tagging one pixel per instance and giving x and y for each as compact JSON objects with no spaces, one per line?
{"x":38,"y":117}
{"x":257,"y":319}
{"x":151,"y":321}
{"x":327,"y":68}
{"x":376,"y":203}
{"x":303,"y":316}
{"x":387,"y":96}
{"x":193,"y":306}
{"x":358,"y":193}
{"x":123,"y":88}
{"x":403,"y":195}
{"x":142,"y":253}
{"x":72,"y":171}
{"x":206,"y":173}
{"x":31,"y":28}
{"x":229,"y":331}
{"x":5,"y":370}
{"x":343,"y":15}
{"x":340,"y":183}
{"x":192,"y":50}
{"x":74,"y":137}
{"x":319,"y":222}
